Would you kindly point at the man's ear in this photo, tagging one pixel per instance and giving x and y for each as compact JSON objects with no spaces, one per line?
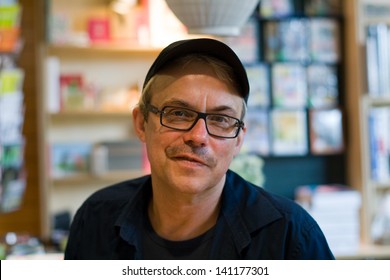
{"x":240,"y":141}
{"x":139,"y":123}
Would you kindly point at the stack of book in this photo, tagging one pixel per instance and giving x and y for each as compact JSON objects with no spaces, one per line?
{"x":336,"y":210}
{"x":378,"y":59}
{"x":379,"y":140}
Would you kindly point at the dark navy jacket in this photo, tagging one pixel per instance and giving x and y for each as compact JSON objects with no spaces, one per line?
{"x":253,"y":224}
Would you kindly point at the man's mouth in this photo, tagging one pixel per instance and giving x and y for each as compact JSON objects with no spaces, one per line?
{"x":188,"y":154}
{"x":189,"y":158}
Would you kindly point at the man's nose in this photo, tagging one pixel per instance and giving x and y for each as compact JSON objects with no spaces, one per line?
{"x":198,"y":133}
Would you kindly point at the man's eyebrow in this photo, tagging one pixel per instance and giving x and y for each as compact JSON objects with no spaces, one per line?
{"x":222,"y":109}
{"x":177,"y":102}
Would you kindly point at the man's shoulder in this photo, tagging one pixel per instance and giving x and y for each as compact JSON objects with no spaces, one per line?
{"x":118,"y":192}
{"x":258,"y":199}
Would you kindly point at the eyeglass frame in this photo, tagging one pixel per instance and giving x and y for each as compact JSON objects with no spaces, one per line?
{"x":200,"y":115}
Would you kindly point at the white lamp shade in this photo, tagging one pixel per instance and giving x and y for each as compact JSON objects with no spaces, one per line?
{"x":213,"y":17}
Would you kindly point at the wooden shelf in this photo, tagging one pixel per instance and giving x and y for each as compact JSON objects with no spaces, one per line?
{"x":111,"y":177}
{"x":382,"y":186}
{"x":377,"y":101}
{"x":88,"y":114}
{"x":102,"y":49}
{"x":367,"y":252}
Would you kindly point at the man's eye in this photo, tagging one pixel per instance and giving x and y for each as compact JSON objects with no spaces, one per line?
{"x":220,"y":119}
{"x":180,"y":113}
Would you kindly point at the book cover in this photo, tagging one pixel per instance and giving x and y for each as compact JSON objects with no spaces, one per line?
{"x":52,"y":84}
{"x":13,"y":187}
{"x":9,"y":39}
{"x":11,"y":117}
{"x":116,"y":156}
{"x":322,"y":7}
{"x":10,"y":15}
{"x":259,"y":81}
{"x":383,"y":38}
{"x":336,"y":209}
{"x":324,"y":40}
{"x":257,"y":137}
{"x":11,"y":155}
{"x":98,"y":29}
{"x":289,"y":87}
{"x":323,"y":86}
{"x":11,"y":80}
{"x":286,"y":40}
{"x":289,"y":132}
{"x":246,"y":44}
{"x":72,"y":92}
{"x":121,"y":99}
{"x":326,"y":131}
{"x":69,"y":159}
{"x":276,"y":8}
{"x":372,"y":61}
{"x":379,"y":143}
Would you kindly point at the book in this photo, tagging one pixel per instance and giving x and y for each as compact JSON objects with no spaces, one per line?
{"x":259,"y":81}
{"x":379,"y":143}
{"x":12,"y":155}
{"x":11,"y":117}
{"x":74,"y":94}
{"x":10,"y":15}
{"x":326,"y":131}
{"x":98,"y":29}
{"x":323,"y":86}
{"x":372,"y":62}
{"x":120,"y":99}
{"x":12,"y":176}
{"x":322,"y":7}
{"x":11,"y":80}
{"x":52,"y":84}
{"x":13,"y":189}
{"x":289,"y":132}
{"x":378,"y":59}
{"x":276,"y":8}
{"x":336,"y":209}
{"x":117,"y":156}
{"x":246,"y":44}
{"x":69,"y":159}
{"x":289,"y":86}
{"x":257,"y":138}
{"x":324,"y":40}
{"x":9,"y":40}
{"x":286,"y":40}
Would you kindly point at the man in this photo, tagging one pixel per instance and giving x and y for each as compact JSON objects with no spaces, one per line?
{"x":190,"y":117}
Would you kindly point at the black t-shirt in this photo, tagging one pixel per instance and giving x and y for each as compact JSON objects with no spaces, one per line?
{"x":157,"y":248}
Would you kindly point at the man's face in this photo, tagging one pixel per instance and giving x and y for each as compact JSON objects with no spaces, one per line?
{"x":191,"y":162}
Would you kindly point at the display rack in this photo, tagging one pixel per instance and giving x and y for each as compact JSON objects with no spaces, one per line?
{"x":12,"y":141}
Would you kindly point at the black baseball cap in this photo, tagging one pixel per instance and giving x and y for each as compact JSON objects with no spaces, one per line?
{"x":205,"y":46}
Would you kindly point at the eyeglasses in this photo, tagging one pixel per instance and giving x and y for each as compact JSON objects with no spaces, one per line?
{"x":183,"y":119}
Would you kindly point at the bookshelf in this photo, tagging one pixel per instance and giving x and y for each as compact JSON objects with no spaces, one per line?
{"x":348,"y":167}
{"x":359,"y":103}
{"x":113,"y":70}
{"x":301,"y":41}
{"x":29,"y":217}
{"x":92,"y":125}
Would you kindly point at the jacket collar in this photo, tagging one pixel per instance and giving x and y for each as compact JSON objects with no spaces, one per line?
{"x":245,"y":209}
